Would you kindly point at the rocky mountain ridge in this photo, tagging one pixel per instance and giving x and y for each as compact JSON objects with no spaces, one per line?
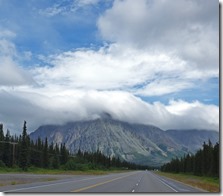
{"x":143,"y":144}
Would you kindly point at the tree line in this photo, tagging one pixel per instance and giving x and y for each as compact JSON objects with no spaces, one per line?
{"x":97,"y":160}
{"x":20,"y":151}
{"x":205,"y":162}
{"x":23,"y":152}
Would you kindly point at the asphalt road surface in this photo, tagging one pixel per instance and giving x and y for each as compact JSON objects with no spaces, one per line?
{"x":137,"y":181}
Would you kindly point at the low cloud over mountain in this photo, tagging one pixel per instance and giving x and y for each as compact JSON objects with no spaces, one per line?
{"x":144,"y":144}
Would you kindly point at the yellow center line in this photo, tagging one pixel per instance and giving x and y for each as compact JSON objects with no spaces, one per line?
{"x":101,"y":183}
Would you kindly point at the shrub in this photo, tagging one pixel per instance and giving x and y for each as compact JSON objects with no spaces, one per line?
{"x":2,"y":164}
{"x":72,"y":165}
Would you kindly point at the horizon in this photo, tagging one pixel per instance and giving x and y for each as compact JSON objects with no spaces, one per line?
{"x":112,"y":119}
{"x":73,"y":60}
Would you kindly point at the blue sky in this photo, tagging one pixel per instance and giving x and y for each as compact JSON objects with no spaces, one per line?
{"x":40,"y":31}
{"x":138,"y":58}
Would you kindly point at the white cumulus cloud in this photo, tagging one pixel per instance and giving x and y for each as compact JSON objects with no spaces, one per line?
{"x":188,"y":28}
{"x":154,"y":48}
{"x":11,"y":73}
{"x":117,"y":67}
{"x":71,"y":105}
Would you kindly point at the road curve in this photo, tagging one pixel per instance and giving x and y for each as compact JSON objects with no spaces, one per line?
{"x":137,"y":181}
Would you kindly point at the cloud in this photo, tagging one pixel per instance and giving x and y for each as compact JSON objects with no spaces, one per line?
{"x":165,"y":86}
{"x":7,"y":48}
{"x":11,"y":73}
{"x":95,"y":69}
{"x":71,"y":105}
{"x":82,"y":3}
{"x":119,"y":67}
{"x":193,"y":113}
{"x":154,"y":48}
{"x":64,"y":7}
{"x":189,"y":29}
{"x":5,"y":33}
{"x":52,"y":11}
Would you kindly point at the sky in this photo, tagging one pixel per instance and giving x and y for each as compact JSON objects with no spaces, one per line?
{"x":142,"y":61}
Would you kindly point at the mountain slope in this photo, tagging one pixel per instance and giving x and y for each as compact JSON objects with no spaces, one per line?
{"x":144,"y":144}
{"x":193,"y":139}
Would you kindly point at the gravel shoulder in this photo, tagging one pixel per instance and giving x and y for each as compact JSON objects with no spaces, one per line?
{"x":15,"y":179}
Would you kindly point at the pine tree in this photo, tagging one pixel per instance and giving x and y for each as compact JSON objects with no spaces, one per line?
{"x":79,"y":153}
{"x":45,"y":154}
{"x":205,"y":162}
{"x":56,"y":160}
{"x":63,"y":154}
{"x":215,"y":169}
{"x":7,"y":154}
{"x":24,"y":149}
{"x":2,"y":138}
{"x":33,"y":154}
{"x":40,"y":152}
{"x":206,"y":158}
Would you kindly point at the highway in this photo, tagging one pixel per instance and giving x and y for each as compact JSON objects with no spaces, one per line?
{"x":137,"y":181}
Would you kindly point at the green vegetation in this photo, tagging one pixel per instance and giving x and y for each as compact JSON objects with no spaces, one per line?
{"x":24,"y":149}
{"x":23,"y":154}
{"x":200,"y":170}
{"x":210,"y":184}
{"x":37,"y":170}
{"x":13,"y":183}
{"x":204,"y":163}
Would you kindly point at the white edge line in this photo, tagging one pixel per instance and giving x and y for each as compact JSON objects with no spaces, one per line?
{"x":34,"y":187}
{"x":186,"y":184}
{"x":164,"y":182}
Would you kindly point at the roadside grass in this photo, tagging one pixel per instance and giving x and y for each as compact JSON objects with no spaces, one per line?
{"x":50,"y":179}
{"x":65,"y":172}
{"x":13,"y":183}
{"x":210,"y":184}
{"x":4,"y":170}
{"x":9,"y":182}
{"x":35,"y":170}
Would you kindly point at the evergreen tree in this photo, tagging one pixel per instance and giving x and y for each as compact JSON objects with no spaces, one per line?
{"x":33,"y":154}
{"x":215,"y":168}
{"x":24,"y":149}
{"x":63,"y":154}
{"x":7,"y":154}
{"x":56,"y":159}
{"x":205,"y":162}
{"x":45,"y":154}
{"x":40,"y":154}
{"x":39,"y":147}
{"x":2,"y":138}
{"x":79,"y":153}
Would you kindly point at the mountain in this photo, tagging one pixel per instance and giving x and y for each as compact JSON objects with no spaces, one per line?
{"x":142,"y":144}
{"x":193,"y":139}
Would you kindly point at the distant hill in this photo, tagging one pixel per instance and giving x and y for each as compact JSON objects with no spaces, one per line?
{"x":193,"y":139}
{"x":143,"y":144}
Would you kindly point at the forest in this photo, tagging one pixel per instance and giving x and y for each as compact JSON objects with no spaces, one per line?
{"x":20,"y":151}
{"x":205,"y":162}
